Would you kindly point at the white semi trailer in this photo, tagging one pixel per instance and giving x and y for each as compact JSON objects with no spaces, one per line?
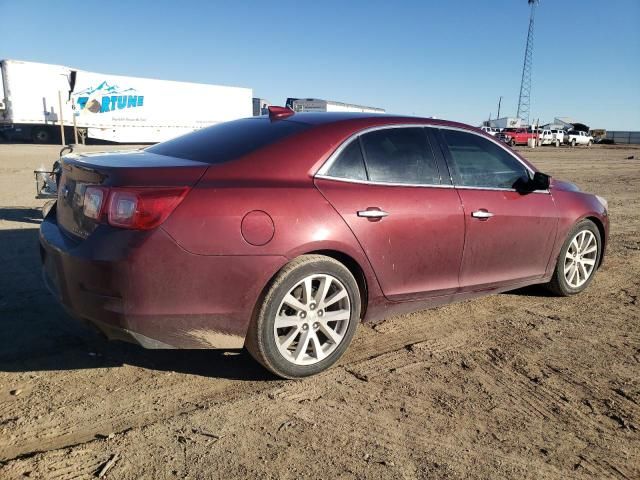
{"x":319,"y":105}
{"x":36,"y":98}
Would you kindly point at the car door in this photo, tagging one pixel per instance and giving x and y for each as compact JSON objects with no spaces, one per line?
{"x":387,"y":185}
{"x":509,"y":233}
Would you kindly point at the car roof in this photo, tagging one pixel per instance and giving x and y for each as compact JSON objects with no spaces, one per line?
{"x":364,"y":119}
{"x":300,"y":155}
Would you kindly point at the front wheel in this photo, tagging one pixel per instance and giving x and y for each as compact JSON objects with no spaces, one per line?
{"x":589,"y":144}
{"x":307,"y":319}
{"x":573,"y":142}
{"x":578,"y":260}
{"x":512,"y":143}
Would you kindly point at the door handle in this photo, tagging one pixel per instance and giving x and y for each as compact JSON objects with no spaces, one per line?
{"x":373,"y":213}
{"x":482,"y":214}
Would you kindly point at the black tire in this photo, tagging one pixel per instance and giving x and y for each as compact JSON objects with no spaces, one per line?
{"x":512,"y":143}
{"x":557,"y":143}
{"x":573,"y":143}
{"x":589,"y":144}
{"x":41,"y":135}
{"x":261,"y":341}
{"x":558,"y":284}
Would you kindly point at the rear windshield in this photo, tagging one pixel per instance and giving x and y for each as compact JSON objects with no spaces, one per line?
{"x":227,"y":141}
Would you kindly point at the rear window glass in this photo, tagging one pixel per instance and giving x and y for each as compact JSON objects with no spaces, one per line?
{"x":228,"y":141}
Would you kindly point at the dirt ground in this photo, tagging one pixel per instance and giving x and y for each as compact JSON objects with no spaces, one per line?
{"x":518,"y":385}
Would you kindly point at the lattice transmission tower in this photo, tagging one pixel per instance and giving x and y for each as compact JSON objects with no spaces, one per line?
{"x":524,"y":101}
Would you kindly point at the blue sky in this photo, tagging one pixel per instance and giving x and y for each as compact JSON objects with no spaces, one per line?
{"x":447,"y":58}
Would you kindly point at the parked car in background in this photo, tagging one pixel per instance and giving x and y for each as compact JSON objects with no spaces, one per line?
{"x":490,"y":130}
{"x":282,"y":232}
{"x":517,"y":136}
{"x":574,"y":137}
{"x":552,"y":137}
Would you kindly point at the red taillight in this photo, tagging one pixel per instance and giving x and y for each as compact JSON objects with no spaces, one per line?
{"x":138,"y":208}
{"x":142,"y":208}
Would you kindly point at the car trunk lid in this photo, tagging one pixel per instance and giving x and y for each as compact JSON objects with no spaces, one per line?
{"x":116,"y":169}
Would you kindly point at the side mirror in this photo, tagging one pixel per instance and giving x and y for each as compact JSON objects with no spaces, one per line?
{"x":540,"y":181}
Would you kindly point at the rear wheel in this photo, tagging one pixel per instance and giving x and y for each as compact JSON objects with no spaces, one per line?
{"x":557,"y":143}
{"x":573,"y":142}
{"x":578,"y":260}
{"x":41,"y":135}
{"x":589,"y":144}
{"x":307,"y":319}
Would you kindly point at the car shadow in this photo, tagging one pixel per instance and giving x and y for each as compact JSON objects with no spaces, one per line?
{"x":21,"y":214}
{"x":531,"y":291}
{"x":36,"y":334}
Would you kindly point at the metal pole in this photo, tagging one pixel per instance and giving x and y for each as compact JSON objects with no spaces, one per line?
{"x":499,"y":103}
{"x":75,"y":128}
{"x":60,"y":117}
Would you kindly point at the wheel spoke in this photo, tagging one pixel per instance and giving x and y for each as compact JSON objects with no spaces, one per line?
{"x":574,"y":244}
{"x":330,"y":333}
{"x":590,"y":250}
{"x":336,"y":316}
{"x":284,"y":321}
{"x":290,"y":337}
{"x":303,"y":344}
{"x":583,"y":269}
{"x":574,"y":272}
{"x":308,"y":291}
{"x":583,"y":236}
{"x":323,"y":290}
{"x":589,"y":261}
{"x":335,"y":298}
{"x":293,"y":302}
{"x":317,"y":348}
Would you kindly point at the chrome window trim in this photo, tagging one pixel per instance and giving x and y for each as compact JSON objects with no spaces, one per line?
{"x":382,"y":184}
{"x":419,"y":185}
{"x":326,"y":166}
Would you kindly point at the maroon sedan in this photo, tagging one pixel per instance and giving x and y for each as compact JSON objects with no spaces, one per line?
{"x":281,"y":233}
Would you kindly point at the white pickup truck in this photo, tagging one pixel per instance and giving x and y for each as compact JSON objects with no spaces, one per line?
{"x":552,"y":137}
{"x":490,"y":130}
{"x":574,"y":137}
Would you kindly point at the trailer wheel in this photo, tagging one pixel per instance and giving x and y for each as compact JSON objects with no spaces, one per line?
{"x":41,"y":135}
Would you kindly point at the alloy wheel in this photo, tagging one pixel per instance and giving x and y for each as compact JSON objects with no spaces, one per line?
{"x":580,"y":259}
{"x":312,"y":319}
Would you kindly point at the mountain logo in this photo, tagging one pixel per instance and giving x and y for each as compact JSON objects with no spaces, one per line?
{"x":108,"y":98}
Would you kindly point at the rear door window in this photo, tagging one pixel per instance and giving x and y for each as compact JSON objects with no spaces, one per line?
{"x":350,"y":163}
{"x":400,"y":155}
{"x":479,"y":162}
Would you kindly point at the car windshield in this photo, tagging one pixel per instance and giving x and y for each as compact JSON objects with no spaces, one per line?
{"x":227,"y":141}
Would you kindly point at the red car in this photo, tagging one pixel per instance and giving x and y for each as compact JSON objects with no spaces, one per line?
{"x":281,"y":233}
{"x":517,"y":136}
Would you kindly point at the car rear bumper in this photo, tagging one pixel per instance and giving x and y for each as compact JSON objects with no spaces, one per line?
{"x":143,"y":288}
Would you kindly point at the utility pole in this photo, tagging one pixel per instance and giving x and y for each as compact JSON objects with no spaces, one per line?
{"x":499,"y":103}
{"x":524,"y":100}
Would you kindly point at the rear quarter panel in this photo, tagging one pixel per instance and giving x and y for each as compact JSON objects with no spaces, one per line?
{"x":209,"y":223}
